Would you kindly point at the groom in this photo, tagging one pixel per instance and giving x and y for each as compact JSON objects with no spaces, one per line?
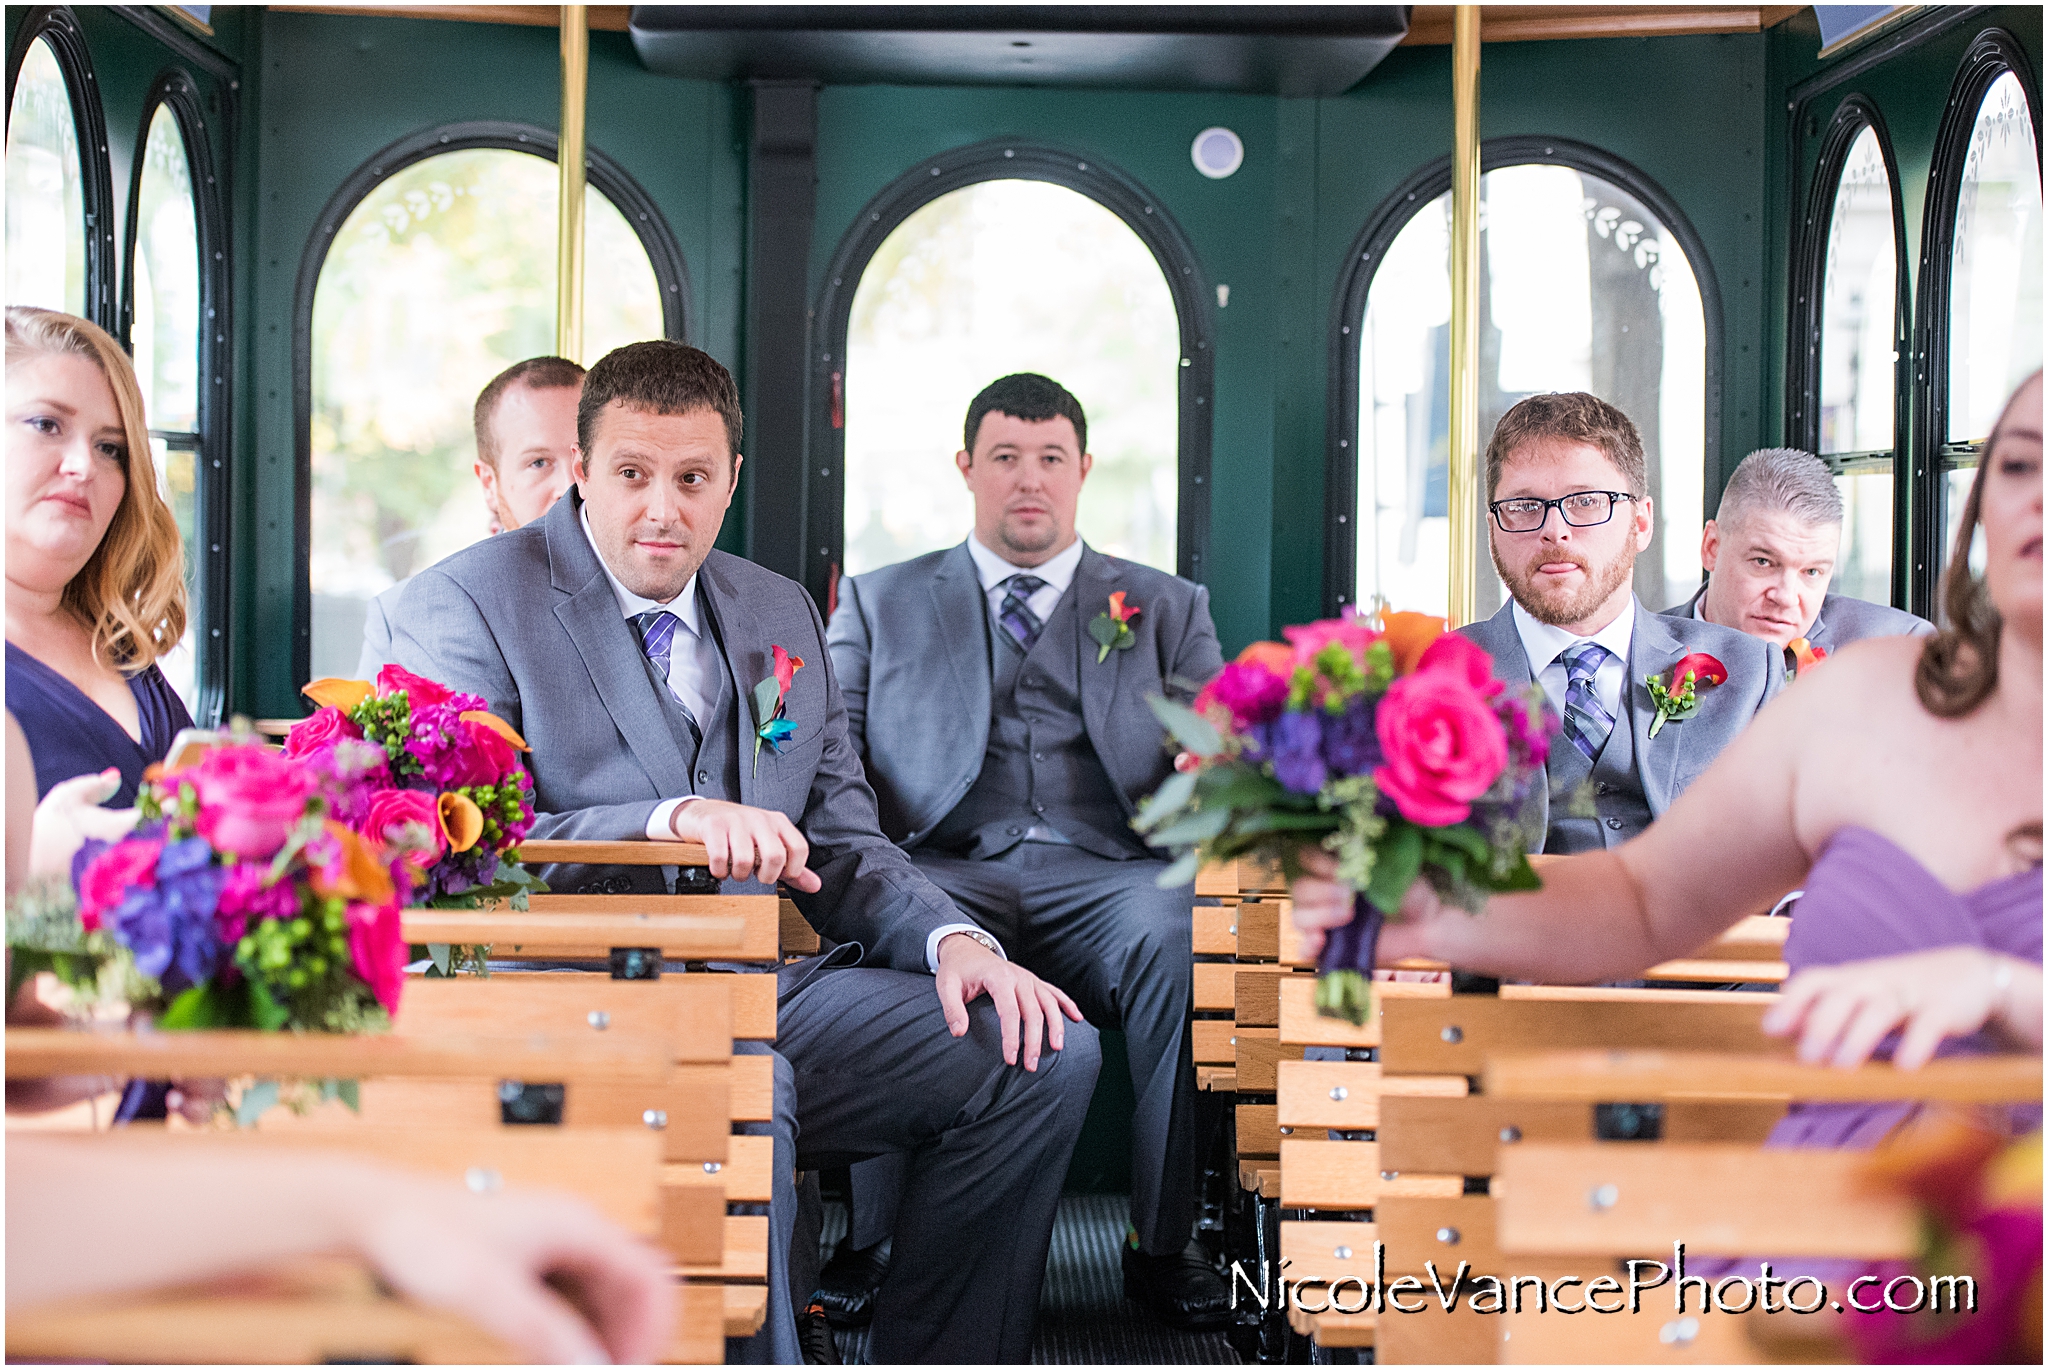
{"x":1570,"y":511}
{"x":626,"y":650}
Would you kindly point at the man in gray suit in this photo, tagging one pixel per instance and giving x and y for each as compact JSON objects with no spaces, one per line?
{"x":525,"y":422}
{"x":1770,"y":554}
{"x":627,"y":651}
{"x":1001,"y":713}
{"x":1570,"y":511}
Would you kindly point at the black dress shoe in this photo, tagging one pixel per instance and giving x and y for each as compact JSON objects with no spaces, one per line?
{"x":847,"y":1284}
{"x":1182,"y":1290}
{"x":814,"y":1334}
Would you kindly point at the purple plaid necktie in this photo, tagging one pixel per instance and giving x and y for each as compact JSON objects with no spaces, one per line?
{"x":1016,"y":616}
{"x":657,"y":628}
{"x":1586,"y":723}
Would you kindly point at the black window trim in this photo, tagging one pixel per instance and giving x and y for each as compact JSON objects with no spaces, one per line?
{"x":671,"y":274}
{"x":1803,"y":326}
{"x":1990,"y":55}
{"x":178,"y":91}
{"x":1011,"y":159}
{"x":60,"y":26}
{"x":1382,"y":226}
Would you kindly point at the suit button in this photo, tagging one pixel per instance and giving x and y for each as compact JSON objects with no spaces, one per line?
{"x":1038,"y":756}
{"x":1014,"y":832}
{"x":1614,"y":823}
{"x":1038,"y":808}
{"x":703,"y":777}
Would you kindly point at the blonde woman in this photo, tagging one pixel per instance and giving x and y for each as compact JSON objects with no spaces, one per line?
{"x":95,"y":568}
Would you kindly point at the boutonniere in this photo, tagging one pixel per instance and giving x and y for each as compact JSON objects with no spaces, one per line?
{"x":1805,"y":654}
{"x":771,"y":702}
{"x":1678,"y":698}
{"x":1112,"y":630}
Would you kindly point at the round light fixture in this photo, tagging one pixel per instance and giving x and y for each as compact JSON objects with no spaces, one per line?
{"x":1217,"y":152}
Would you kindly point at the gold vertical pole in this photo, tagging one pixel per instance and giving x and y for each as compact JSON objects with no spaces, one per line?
{"x":1464,"y":473}
{"x":569,"y":160}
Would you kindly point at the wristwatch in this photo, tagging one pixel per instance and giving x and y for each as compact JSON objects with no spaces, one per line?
{"x":978,"y":936}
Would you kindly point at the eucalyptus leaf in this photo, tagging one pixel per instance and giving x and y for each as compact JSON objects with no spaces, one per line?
{"x":259,"y":1098}
{"x":350,"y":1093}
{"x":1166,"y":801}
{"x":1104,"y":630}
{"x":439,"y":954}
{"x":1460,"y":838}
{"x":1199,"y":826}
{"x":1189,"y":728}
{"x":1399,"y":862}
{"x":1181,"y":872}
{"x":765,"y":699}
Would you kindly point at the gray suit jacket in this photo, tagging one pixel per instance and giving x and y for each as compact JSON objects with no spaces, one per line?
{"x":1842,"y":620}
{"x":377,"y":616}
{"x":910,"y":651}
{"x":527,"y":619}
{"x":1681,"y":751}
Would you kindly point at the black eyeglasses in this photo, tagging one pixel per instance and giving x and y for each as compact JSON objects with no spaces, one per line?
{"x":1583,"y":509}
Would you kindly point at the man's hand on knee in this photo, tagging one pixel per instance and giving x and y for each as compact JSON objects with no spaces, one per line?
{"x":746,"y":843}
{"x":1030,"y":1009}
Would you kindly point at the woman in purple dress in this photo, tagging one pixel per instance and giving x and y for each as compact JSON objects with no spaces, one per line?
{"x":95,"y":567}
{"x":1899,"y":785}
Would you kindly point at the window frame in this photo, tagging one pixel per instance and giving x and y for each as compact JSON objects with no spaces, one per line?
{"x":604,"y":174}
{"x":1992,"y":54}
{"x":59,"y":26}
{"x":1144,"y":213}
{"x":1362,"y":262}
{"x":178,"y":91}
{"x":1803,"y":326}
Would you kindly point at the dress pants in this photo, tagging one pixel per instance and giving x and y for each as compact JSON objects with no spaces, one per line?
{"x":1104,"y":932}
{"x":867,"y":1067}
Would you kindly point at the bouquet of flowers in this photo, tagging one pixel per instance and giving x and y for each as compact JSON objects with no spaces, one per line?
{"x":431,"y":773}
{"x":241,"y":901}
{"x":1386,"y":741}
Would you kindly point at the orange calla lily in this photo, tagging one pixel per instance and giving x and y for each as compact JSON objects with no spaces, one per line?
{"x":496,"y":725}
{"x":462,"y":822}
{"x":359,"y":875}
{"x":1409,"y":636}
{"x":1276,"y":657}
{"x":341,"y":694}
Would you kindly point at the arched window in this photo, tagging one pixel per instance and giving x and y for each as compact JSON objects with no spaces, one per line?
{"x":1582,"y":287}
{"x":1858,"y":323}
{"x":998,"y":277}
{"x":164,"y":337}
{"x":46,"y":239}
{"x":440,"y":277}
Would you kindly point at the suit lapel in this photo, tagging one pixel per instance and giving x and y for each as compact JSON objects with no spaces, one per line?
{"x":1094,"y":582}
{"x":960,"y":613}
{"x":590,"y":615}
{"x":1652,"y":650}
{"x":748,"y":658}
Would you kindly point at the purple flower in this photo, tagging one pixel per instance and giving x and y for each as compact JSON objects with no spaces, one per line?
{"x":1252,"y":693}
{"x":245,"y":899}
{"x":1349,"y":740}
{"x":1529,"y":725}
{"x":1297,"y":753}
{"x":169,"y":926}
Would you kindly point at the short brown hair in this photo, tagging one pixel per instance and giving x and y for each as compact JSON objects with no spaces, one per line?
{"x":659,"y":377}
{"x":1569,"y":416}
{"x":535,"y":373}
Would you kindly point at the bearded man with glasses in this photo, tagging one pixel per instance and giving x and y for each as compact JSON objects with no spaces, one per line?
{"x":1570,"y":510}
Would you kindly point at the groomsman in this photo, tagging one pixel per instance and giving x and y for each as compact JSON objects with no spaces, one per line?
{"x":1770,"y":554}
{"x":628,"y":652}
{"x":525,"y":423}
{"x":1000,"y":709}
{"x":1570,"y":510}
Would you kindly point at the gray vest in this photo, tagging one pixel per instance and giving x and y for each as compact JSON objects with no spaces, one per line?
{"x":1040,"y":768}
{"x":1619,"y":809}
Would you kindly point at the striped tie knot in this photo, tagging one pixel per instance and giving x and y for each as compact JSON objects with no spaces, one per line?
{"x":1586,"y":721}
{"x":1018,"y":621}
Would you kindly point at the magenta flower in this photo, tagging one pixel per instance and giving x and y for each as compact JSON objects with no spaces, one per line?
{"x":1349,"y":632}
{"x":1252,"y":693}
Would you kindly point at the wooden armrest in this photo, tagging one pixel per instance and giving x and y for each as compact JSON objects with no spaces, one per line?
{"x":37,"y":1053}
{"x":1650,"y":1076}
{"x":550,"y":853}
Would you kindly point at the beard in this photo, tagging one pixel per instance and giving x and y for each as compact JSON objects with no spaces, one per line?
{"x":1018,"y":537}
{"x":1561,"y":608}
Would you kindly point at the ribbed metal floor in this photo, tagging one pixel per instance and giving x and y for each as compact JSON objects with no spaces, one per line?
{"x":1083,"y":1317}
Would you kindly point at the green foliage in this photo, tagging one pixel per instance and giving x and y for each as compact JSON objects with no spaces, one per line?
{"x":387,"y":721}
{"x":1355,"y":843}
{"x":453,"y":958}
{"x":44,"y":934}
{"x":1345,"y":994}
{"x":1399,"y":862}
{"x":1194,"y":732}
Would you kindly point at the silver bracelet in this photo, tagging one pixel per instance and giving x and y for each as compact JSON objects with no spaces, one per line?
{"x":2001,"y":983}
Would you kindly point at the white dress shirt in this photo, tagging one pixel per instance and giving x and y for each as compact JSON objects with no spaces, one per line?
{"x":694,"y":667}
{"x":1544,"y":645}
{"x":1057,"y":574}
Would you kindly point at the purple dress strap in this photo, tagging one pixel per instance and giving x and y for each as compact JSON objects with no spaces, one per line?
{"x":70,"y":735}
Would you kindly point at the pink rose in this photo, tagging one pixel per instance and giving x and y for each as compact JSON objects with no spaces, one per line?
{"x":245,"y":898}
{"x":1348,"y":632}
{"x":250,"y":798}
{"x":376,"y":942}
{"x":309,"y":734}
{"x":1464,"y":658}
{"x":106,"y":882}
{"x":1443,"y":744}
{"x":408,"y":819}
{"x":417,"y":689}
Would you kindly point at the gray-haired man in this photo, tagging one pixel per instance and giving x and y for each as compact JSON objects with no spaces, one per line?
{"x":1770,"y":553}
